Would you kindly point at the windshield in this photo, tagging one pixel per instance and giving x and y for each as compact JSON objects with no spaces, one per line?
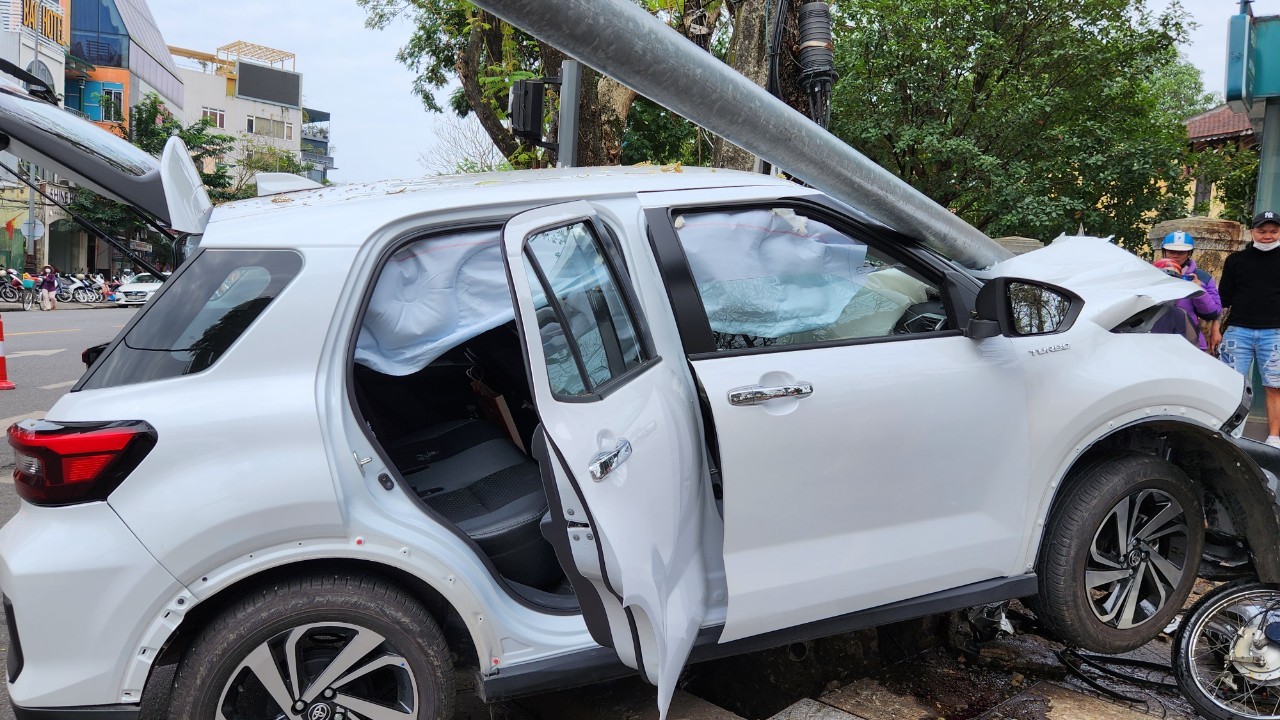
{"x":143,"y":279}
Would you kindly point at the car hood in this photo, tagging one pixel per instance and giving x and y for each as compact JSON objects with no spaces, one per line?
{"x":1113,"y":282}
{"x":168,"y":189}
{"x":138,"y":287}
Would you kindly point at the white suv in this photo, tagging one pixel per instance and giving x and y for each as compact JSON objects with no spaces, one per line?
{"x":559,"y":425}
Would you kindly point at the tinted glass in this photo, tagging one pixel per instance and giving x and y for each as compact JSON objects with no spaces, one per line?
{"x":774,"y":277}
{"x":188,"y":327}
{"x":562,"y":367}
{"x":586,"y":299}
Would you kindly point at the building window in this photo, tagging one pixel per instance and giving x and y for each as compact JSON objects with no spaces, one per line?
{"x":271,"y":128}
{"x":98,"y":33}
{"x":1204,"y":195}
{"x":217,"y":118}
{"x":113,"y":105}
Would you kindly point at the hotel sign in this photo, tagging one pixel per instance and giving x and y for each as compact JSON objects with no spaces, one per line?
{"x":45,"y":20}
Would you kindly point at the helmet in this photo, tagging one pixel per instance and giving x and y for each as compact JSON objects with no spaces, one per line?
{"x":1178,"y":240}
{"x":1169,"y":267}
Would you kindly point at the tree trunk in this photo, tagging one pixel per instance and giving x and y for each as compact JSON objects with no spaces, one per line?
{"x":749,"y":55}
{"x":468,"y":69}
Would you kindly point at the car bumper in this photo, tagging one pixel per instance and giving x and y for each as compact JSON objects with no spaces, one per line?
{"x":82,"y":593}
{"x":128,"y":301}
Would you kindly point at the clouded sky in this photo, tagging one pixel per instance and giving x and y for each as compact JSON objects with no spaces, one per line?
{"x":379,"y":128}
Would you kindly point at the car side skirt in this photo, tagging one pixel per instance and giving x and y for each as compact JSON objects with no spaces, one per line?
{"x":600,"y":664}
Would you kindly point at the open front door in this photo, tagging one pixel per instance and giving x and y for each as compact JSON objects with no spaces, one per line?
{"x":627,"y":464}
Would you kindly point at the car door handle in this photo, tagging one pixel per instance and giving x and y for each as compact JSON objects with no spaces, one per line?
{"x":606,"y":462}
{"x":756,"y":394}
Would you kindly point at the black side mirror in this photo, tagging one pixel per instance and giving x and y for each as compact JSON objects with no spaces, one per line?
{"x":91,"y":354}
{"x":1021,"y":308}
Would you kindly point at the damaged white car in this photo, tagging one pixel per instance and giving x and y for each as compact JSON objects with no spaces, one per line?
{"x":563,"y":425}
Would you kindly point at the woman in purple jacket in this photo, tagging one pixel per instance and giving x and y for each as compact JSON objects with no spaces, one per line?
{"x":1207,"y":306}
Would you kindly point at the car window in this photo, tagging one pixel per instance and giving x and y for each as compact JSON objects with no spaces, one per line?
{"x":588,"y":334}
{"x":776,"y":277}
{"x":190,"y":325}
{"x":143,"y":279}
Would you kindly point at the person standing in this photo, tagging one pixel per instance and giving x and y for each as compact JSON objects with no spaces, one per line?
{"x":1250,"y":291}
{"x":1176,"y":250}
{"x":48,"y":285}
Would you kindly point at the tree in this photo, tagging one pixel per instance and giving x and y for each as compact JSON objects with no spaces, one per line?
{"x":462,"y":146}
{"x":452,"y":39}
{"x":255,"y":154}
{"x":1031,"y":120}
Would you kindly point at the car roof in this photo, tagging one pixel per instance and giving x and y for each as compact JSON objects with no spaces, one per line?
{"x":346,"y":215}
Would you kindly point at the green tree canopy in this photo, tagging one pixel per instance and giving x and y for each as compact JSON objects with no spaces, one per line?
{"x":1024,"y":118}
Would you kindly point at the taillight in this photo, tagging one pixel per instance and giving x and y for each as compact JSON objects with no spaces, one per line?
{"x":69,"y":463}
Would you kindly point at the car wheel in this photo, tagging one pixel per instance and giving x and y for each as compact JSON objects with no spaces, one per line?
{"x":1226,"y":657}
{"x":1120,"y":553}
{"x":318,"y":647}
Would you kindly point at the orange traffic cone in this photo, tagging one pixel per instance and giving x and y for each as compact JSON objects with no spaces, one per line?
{"x":4,"y":372}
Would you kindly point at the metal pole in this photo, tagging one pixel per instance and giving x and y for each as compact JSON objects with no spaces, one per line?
{"x":1268,"y":188}
{"x":620,"y":39}
{"x":567,"y":133}
{"x":31,"y":211}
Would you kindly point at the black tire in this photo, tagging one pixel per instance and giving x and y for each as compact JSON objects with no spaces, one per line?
{"x":1082,"y":545}
{"x":1206,"y":676}
{"x":318,"y":617}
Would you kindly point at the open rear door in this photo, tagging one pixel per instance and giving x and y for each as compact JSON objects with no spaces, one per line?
{"x":623,"y":436}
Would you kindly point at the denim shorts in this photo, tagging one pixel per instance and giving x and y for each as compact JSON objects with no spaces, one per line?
{"x":1242,"y":347}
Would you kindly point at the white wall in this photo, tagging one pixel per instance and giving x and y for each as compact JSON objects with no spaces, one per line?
{"x":20,"y":48}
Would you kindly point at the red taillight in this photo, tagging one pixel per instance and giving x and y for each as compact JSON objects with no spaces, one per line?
{"x":68,"y":463}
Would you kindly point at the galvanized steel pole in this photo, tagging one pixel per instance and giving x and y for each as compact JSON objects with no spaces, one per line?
{"x":623,"y":41}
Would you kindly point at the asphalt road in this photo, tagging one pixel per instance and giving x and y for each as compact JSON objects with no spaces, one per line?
{"x":42,"y":352}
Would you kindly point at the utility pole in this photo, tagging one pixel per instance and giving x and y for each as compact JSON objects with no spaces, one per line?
{"x":1253,"y":87}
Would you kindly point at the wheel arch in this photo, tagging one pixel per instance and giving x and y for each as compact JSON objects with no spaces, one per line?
{"x":1212,"y":461}
{"x":456,"y":633}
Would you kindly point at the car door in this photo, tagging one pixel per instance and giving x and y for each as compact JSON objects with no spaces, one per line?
{"x":628,"y":468}
{"x":868,"y":451}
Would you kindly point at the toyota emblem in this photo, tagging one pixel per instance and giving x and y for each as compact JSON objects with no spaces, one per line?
{"x":319,"y":711}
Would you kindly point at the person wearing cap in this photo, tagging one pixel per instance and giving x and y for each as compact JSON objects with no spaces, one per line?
{"x":1250,"y":291}
{"x":1175,"y":253}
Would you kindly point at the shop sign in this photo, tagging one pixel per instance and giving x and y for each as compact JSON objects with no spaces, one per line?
{"x":44,"y":19}
{"x":139,"y":246}
{"x":61,"y":194}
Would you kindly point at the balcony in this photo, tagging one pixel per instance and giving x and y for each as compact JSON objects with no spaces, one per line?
{"x":76,"y":112}
{"x":312,"y":131}
{"x":325,"y":161}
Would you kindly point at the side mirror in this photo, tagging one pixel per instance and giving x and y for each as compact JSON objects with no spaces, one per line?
{"x":91,"y":354}
{"x":1022,"y":308}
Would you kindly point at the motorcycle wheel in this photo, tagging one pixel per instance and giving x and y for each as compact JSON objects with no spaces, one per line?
{"x":1226,"y":655}
{"x":82,"y":295}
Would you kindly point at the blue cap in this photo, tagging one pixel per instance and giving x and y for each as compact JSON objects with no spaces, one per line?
{"x":1178,"y":240}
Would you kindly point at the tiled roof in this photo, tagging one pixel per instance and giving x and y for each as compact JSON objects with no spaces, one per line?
{"x":1217,"y":123}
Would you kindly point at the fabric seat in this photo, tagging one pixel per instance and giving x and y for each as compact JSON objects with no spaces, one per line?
{"x":476,"y":478}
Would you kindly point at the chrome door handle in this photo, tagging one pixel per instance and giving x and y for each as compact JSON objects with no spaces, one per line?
{"x":756,"y":394}
{"x":606,"y":462}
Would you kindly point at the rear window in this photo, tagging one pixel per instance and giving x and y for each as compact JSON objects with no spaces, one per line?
{"x":187,"y":327}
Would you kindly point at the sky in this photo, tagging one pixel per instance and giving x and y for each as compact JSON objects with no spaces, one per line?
{"x":379,"y":128}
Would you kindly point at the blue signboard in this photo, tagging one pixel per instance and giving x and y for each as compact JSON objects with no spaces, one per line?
{"x":1241,"y":68}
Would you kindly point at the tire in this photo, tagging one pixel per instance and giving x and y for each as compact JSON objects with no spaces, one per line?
{"x":8,"y":294}
{"x":319,"y":616}
{"x":28,"y":300}
{"x":1232,"y":620}
{"x":82,"y":295}
{"x":1125,"y":494}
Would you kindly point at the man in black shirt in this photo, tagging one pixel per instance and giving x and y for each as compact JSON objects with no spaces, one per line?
{"x":1250,"y":290}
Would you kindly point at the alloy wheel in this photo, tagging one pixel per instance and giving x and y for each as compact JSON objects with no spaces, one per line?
{"x":322,"y":671}
{"x":1137,"y":558}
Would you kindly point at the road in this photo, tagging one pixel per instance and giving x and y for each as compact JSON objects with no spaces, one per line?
{"x":42,"y":352}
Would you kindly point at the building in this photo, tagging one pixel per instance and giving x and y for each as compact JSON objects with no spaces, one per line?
{"x":255,"y":93}
{"x":316,"y":150}
{"x":35,"y":37}
{"x":117,"y":56}
{"x":1216,"y":128}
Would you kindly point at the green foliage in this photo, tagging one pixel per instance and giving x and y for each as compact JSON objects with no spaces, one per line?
{"x":655,"y":134}
{"x":1029,"y":121}
{"x":1233,"y":171}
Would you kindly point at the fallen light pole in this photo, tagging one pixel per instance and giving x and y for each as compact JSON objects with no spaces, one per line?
{"x":620,"y":39}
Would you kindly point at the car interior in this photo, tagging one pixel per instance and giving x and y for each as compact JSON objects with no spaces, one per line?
{"x":460,"y":431}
